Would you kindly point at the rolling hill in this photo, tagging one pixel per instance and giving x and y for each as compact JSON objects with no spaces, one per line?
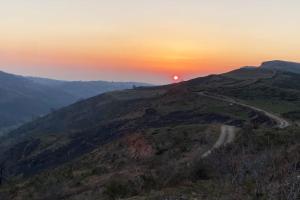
{"x":280,"y":65}
{"x":152,"y":143}
{"x":23,"y":99}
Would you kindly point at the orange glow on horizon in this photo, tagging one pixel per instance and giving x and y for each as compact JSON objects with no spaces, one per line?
{"x":157,"y":59}
{"x":144,"y":40}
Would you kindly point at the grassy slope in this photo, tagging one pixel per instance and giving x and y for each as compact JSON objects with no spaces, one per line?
{"x":82,"y":127}
{"x":277,"y":92}
{"x":164,"y":163}
{"x":157,"y":158}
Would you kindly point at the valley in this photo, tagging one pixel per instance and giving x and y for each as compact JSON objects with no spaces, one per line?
{"x":24,"y":99}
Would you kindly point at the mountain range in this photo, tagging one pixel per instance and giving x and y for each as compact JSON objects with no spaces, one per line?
{"x":26,"y":98}
{"x":228,"y":136}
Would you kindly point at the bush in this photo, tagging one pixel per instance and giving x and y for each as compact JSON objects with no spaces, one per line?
{"x":119,"y":189}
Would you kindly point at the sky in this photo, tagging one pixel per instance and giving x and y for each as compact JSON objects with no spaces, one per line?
{"x":143,"y":40}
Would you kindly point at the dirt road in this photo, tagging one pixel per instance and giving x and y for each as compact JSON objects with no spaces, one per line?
{"x":280,"y":122}
{"x":228,"y":133}
{"x":227,"y":136}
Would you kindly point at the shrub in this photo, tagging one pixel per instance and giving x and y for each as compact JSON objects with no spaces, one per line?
{"x":119,"y":189}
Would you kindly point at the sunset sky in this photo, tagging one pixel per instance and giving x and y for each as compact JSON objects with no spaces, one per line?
{"x":144,"y":40}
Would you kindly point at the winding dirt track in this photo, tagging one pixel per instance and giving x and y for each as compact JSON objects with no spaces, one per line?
{"x":227,"y":136}
{"x":280,"y":122}
{"x":228,"y":133}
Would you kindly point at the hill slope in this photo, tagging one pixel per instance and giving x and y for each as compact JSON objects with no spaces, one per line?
{"x":282,"y":66}
{"x":22,"y":98}
{"x":147,"y":143}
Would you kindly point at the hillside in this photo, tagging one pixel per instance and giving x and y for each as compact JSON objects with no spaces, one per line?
{"x":152,"y":143}
{"x":282,"y":66}
{"x":23,"y":99}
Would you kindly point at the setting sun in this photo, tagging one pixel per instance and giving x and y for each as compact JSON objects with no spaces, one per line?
{"x":175,"y":78}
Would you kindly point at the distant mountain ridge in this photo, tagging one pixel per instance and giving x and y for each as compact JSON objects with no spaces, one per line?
{"x":86,"y":89}
{"x":24,"y":98}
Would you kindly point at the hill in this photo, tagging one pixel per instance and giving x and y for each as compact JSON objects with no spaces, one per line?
{"x":23,"y":99}
{"x":282,"y":66}
{"x":164,"y":143}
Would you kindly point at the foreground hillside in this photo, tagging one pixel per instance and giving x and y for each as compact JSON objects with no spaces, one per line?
{"x":23,"y":99}
{"x":167,"y":164}
{"x":208,"y":138}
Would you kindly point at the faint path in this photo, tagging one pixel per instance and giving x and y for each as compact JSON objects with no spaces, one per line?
{"x":228,"y":133}
{"x":227,"y":136}
{"x":280,"y":122}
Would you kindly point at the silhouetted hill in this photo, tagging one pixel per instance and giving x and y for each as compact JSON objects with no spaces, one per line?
{"x":282,"y":66}
{"x":23,"y":99}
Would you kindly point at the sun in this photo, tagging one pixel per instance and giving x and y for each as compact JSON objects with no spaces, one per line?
{"x":175,"y":78}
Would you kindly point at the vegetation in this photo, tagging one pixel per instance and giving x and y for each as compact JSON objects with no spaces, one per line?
{"x":147,"y":143}
{"x":261,"y":164}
